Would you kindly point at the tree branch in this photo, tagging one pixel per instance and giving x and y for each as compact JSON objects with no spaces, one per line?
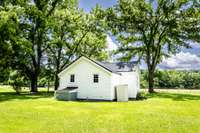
{"x":54,"y":3}
{"x":157,"y":51}
{"x":75,"y":49}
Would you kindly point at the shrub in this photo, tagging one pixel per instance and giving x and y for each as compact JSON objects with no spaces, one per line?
{"x":16,"y":81}
{"x":141,"y":96}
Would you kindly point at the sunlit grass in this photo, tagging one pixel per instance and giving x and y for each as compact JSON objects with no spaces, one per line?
{"x":161,"y":113}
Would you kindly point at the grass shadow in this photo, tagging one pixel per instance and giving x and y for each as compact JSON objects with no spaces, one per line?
{"x":174,"y":96}
{"x":8,"y":96}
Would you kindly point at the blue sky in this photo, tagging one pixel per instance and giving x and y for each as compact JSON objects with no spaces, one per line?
{"x":88,"y":4}
{"x":186,"y":59}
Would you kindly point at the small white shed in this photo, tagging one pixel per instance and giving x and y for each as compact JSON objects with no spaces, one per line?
{"x":98,"y":80}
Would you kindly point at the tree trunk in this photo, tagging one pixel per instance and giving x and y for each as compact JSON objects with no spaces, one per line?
{"x":151,"y":81}
{"x":56,"y":81}
{"x":34,"y":88}
{"x":48,"y":86}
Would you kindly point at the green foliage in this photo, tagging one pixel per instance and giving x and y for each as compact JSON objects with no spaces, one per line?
{"x":151,"y":32}
{"x":43,"y":82}
{"x":40,"y":38}
{"x":33,"y":32}
{"x":143,"y":79}
{"x":141,"y":96}
{"x":16,"y":81}
{"x":26,"y":35}
{"x":8,"y":31}
{"x":73,"y":33}
{"x":173,"y":79}
{"x":4,"y":75}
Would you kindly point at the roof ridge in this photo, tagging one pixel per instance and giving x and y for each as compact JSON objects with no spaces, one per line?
{"x":113,"y":67}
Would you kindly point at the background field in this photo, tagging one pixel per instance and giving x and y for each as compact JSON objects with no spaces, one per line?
{"x":165,"y":112}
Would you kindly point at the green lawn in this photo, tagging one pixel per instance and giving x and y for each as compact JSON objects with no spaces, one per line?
{"x":163,"y":112}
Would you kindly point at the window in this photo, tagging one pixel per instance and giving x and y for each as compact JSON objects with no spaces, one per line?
{"x":72,"y":78}
{"x":96,"y":78}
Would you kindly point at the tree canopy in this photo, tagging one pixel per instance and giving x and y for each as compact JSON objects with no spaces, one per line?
{"x":73,"y":33}
{"x":153,"y":29}
{"x":37,"y":35}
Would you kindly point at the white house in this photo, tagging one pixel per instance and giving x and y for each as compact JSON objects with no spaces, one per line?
{"x":98,"y":80}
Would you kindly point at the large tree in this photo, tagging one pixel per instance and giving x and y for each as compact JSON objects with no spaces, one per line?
{"x":8,"y":32}
{"x":73,"y":33}
{"x":153,"y":29}
{"x":31,"y":26}
{"x":37,"y":32}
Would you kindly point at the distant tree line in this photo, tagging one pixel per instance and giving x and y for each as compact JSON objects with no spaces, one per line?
{"x":173,"y":79}
{"x":168,"y":79}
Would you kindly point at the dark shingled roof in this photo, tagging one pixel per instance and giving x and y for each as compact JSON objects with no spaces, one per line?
{"x":118,"y":66}
{"x":114,"y":67}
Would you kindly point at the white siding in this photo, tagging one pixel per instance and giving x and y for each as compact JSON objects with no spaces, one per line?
{"x":130,"y":79}
{"x":115,"y":80}
{"x":138,"y":79}
{"x":84,"y":70}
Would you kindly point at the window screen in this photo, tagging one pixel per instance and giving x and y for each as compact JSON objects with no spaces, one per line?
{"x":96,"y":78}
{"x":72,"y":78}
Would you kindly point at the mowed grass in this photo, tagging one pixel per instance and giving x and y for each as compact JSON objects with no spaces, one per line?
{"x":163,"y":112}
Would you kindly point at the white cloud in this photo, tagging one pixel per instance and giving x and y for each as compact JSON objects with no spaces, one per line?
{"x":186,"y":60}
{"x":194,"y":50}
{"x":111,"y":44}
{"x":182,"y":61}
{"x":195,"y":45}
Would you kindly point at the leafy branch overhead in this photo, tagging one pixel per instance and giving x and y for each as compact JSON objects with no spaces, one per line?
{"x":153,"y":29}
{"x":43,"y":34}
{"x":71,"y":34}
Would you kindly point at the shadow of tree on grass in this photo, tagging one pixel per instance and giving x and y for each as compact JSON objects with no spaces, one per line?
{"x":174,"y":96}
{"x":8,"y":96}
